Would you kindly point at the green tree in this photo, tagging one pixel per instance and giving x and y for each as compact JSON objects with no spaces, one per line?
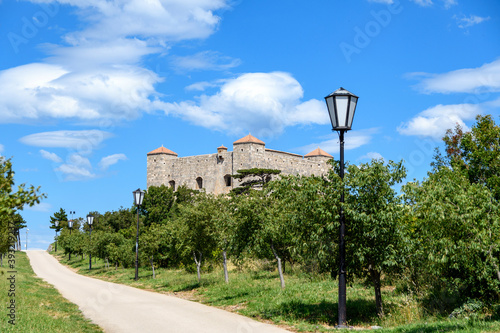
{"x":61,"y":217}
{"x":255,"y":178}
{"x":374,"y":236}
{"x":475,"y":153}
{"x":458,"y":226}
{"x":158,"y":204}
{"x":12,"y":201}
{"x":195,"y":230}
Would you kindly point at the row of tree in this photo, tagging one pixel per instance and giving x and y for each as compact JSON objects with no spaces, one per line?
{"x":437,"y":236}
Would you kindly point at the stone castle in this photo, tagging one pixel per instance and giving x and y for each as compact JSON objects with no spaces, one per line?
{"x":212,"y":172}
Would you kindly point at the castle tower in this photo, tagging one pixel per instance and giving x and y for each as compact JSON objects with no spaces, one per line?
{"x":248,"y":152}
{"x":159,"y":167}
{"x":318,"y":154}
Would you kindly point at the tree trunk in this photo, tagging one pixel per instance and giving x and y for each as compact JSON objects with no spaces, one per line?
{"x":375,"y":276}
{"x":280,"y":271}
{"x":494,"y":264}
{"x":107,"y":262}
{"x":198,"y":265}
{"x":116,"y":266}
{"x":153,"y":267}
{"x":226,"y":277}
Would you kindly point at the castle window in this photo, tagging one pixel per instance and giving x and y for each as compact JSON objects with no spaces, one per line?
{"x":241,"y":149}
{"x":227,"y":180}
{"x":199,"y":182}
{"x":172,"y":184}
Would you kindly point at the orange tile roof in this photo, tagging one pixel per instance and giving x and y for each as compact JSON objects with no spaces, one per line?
{"x":162,"y":150}
{"x":222,"y":147}
{"x":249,"y":139}
{"x":318,"y":152}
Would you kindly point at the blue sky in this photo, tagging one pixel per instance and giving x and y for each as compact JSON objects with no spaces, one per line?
{"x":89,"y":87}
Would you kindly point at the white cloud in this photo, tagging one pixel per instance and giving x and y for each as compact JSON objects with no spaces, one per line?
{"x":260,"y":103}
{"x":371,"y":155}
{"x":353,"y":140}
{"x":82,"y":141}
{"x":76,"y":168}
{"x":108,"y":161}
{"x":2,"y":147}
{"x":388,"y":2}
{"x":50,"y":156}
{"x":155,"y":21}
{"x":434,"y":121}
{"x":424,"y":3}
{"x":39,"y":91}
{"x":96,"y":74}
{"x":449,"y":3}
{"x":207,"y":60}
{"x":469,"y":80}
{"x":465,"y":22}
{"x":41,"y":207}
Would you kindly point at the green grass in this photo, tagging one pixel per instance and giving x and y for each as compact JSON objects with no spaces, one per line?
{"x":39,"y":306}
{"x":307,"y":304}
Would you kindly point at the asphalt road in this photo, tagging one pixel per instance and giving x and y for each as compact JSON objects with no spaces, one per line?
{"x":122,"y":309}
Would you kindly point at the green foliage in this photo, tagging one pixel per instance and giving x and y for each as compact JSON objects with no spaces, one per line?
{"x":374,"y":237}
{"x":11,"y":202}
{"x":476,"y":153}
{"x":255,"y":178}
{"x":458,"y":228}
{"x":61,"y":217}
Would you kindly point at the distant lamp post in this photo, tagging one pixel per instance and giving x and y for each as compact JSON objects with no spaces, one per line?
{"x":70,"y":226}
{"x":341,"y":107}
{"x":138,"y":197}
{"x":90,"y":221}
{"x":26,"y":245}
{"x":56,"y":223}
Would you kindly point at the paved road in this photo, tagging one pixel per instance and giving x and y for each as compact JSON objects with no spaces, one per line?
{"x":122,"y":309}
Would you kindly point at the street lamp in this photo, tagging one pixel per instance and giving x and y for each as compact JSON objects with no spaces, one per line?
{"x":56,"y":223}
{"x":90,"y":221}
{"x":341,"y":107}
{"x":70,"y":226}
{"x":138,"y":197}
{"x":26,"y":246}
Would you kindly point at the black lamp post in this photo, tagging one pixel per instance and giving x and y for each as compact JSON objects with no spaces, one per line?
{"x":341,"y":106}
{"x":138,"y":197}
{"x":90,"y":221}
{"x":70,"y":226}
{"x":56,"y":223}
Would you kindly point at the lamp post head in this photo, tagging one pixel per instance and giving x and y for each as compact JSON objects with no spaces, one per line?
{"x":90,"y":219}
{"x":138,"y":197}
{"x":70,"y":224}
{"x":341,"y":106}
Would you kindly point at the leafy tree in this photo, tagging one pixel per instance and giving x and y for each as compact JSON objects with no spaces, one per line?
{"x":158,"y":204}
{"x":307,"y":210}
{"x":195,"y":230}
{"x":475,"y":153}
{"x":11,"y":202}
{"x":61,"y":217}
{"x":374,"y":236}
{"x":255,"y":178}
{"x":458,"y":224}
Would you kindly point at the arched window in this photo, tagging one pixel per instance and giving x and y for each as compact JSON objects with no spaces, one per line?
{"x":227,"y":180}
{"x":199,"y":182}
{"x":172,"y":184}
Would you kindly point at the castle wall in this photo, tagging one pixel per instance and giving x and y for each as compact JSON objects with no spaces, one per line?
{"x":213,"y":171}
